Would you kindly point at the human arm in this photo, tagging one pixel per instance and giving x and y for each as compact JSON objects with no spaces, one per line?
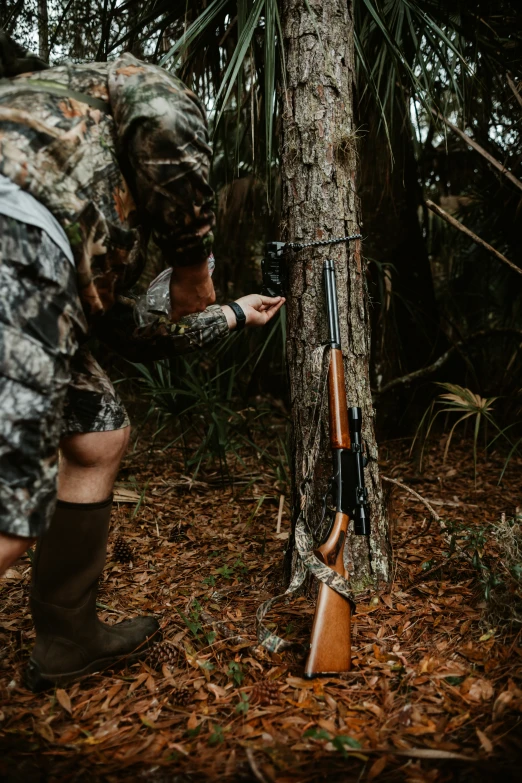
{"x":162,"y":338}
{"x":164,"y":151}
{"x":191,"y":290}
{"x":258,"y":309}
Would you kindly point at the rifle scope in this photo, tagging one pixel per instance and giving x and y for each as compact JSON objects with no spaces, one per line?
{"x":361,"y":518}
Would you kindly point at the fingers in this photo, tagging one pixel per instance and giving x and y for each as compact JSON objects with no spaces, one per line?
{"x":270,"y":303}
{"x":271,"y":310}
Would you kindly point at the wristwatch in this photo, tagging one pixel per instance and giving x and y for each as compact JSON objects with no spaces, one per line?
{"x":239,"y":313}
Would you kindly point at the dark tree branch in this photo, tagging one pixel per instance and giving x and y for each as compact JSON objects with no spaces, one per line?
{"x":469,"y":233}
{"x":485,"y":154}
{"x":424,"y":372}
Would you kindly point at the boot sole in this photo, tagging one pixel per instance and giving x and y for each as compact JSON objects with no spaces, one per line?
{"x":37,"y":681}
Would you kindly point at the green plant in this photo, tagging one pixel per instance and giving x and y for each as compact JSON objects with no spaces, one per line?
{"x":340,"y":742}
{"x":243,"y":704}
{"x":233,"y":571}
{"x":204,"y":399}
{"x":225,"y":571}
{"x":235,"y":672}
{"x":192,"y":733}
{"x":216,"y":736}
{"x":343,"y":741}
{"x":465,"y":404}
{"x":494,"y":551}
{"x":195,"y":625}
{"x":316,"y":734}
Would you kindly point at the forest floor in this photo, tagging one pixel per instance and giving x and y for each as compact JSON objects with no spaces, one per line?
{"x":435,"y":693}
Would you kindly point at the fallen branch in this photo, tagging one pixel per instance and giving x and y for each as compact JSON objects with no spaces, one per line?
{"x":456,"y":224}
{"x":454,"y":547}
{"x":430,"y":508}
{"x":253,"y":766}
{"x":472,"y":143}
{"x":438,"y":363}
{"x":418,"y":374}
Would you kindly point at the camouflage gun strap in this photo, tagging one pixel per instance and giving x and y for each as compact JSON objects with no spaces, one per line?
{"x":307,"y":561}
{"x":44,"y":85}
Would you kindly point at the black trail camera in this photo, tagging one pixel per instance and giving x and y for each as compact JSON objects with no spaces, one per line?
{"x":274,"y":270}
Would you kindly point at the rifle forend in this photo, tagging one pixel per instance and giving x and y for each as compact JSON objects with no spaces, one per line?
{"x":331,"y":632}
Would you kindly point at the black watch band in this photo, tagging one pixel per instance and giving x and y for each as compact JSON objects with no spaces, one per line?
{"x":239,"y":313}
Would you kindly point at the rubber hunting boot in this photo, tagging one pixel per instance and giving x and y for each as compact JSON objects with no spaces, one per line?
{"x":71,"y":641}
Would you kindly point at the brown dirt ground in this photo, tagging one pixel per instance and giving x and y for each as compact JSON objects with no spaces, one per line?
{"x":434,"y":694}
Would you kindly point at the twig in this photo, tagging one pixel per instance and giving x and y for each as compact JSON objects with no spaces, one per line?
{"x":472,"y":143}
{"x":223,"y":629}
{"x":430,"y":508}
{"x":280,"y":514}
{"x":443,"y":528}
{"x":417,"y":374}
{"x":514,"y":89}
{"x":456,"y":224}
{"x":437,"y":364}
{"x":253,"y":766}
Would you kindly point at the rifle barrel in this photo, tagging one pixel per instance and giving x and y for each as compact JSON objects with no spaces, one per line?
{"x":331,"y":304}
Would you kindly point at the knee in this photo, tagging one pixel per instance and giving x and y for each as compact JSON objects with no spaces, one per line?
{"x":95,"y":449}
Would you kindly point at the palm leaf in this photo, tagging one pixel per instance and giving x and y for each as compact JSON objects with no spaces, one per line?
{"x":201,"y":23}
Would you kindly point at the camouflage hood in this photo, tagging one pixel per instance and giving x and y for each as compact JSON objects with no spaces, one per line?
{"x":131,"y":162}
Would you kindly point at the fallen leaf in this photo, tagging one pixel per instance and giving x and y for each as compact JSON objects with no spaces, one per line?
{"x":45,"y":731}
{"x":64,"y":700}
{"x":481,"y":690}
{"x":219,"y":693}
{"x":192,"y":721}
{"x":138,"y":681}
{"x":377,"y":767}
{"x":502,"y":702}
{"x":484,"y":741}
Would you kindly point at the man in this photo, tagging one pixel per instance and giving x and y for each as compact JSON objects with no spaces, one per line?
{"x":96,"y":162}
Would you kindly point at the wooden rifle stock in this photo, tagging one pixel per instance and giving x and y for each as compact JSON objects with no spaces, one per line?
{"x":331,"y":631}
{"x":330,"y":644}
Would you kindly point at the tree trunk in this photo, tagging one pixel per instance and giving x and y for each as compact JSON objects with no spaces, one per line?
{"x":43,"y":30}
{"x":318,"y":155}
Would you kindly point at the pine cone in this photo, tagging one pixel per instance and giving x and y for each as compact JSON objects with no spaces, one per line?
{"x":122,"y":550}
{"x":180,"y":697}
{"x":161,"y":653}
{"x":266,"y":692}
{"x":178,"y":533}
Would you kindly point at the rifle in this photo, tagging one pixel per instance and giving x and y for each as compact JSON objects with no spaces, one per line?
{"x":330,"y":643}
{"x":331,"y":631}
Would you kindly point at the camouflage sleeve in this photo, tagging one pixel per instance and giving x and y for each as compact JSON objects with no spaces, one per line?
{"x":161,"y":338}
{"x":164,"y":151}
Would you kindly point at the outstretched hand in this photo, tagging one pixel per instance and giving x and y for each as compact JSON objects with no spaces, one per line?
{"x":258,"y":309}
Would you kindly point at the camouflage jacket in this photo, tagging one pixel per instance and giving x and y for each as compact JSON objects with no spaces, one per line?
{"x":128,"y":166}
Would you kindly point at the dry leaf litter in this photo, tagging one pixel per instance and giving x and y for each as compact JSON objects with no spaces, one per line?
{"x":434,"y":695}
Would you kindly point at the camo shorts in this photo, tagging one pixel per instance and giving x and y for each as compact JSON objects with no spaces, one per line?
{"x":50,"y":384}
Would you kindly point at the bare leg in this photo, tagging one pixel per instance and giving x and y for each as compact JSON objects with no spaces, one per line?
{"x":11,"y":548}
{"x":88,"y":467}
{"x":89,"y":464}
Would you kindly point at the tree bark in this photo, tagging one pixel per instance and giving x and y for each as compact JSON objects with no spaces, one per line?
{"x":43,"y":30}
{"x":318,"y":157}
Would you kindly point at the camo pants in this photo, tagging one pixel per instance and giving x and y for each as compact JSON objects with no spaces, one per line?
{"x":50,"y":385}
